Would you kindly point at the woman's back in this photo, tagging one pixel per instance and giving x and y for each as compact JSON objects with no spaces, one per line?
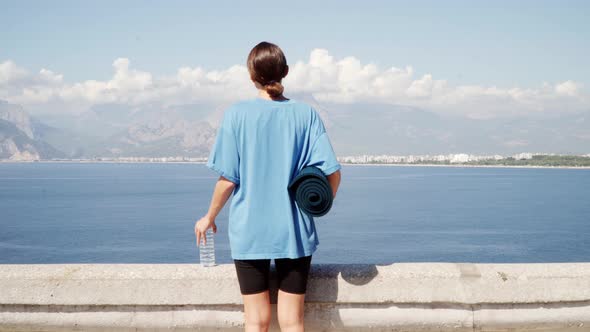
{"x":261,"y":145}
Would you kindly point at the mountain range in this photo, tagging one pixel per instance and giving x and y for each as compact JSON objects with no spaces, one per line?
{"x":111,"y":130}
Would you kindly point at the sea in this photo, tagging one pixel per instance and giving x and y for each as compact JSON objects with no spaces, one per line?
{"x":75,"y":212}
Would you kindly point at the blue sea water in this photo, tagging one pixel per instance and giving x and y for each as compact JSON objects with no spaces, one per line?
{"x":145,"y":213}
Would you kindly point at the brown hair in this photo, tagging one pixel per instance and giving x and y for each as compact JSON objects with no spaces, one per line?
{"x":267,"y":66}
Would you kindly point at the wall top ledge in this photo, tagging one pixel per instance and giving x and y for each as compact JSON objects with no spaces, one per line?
{"x":179,"y":284}
{"x":395,"y":270}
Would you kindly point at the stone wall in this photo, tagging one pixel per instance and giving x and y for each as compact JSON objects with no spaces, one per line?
{"x":340,"y":297}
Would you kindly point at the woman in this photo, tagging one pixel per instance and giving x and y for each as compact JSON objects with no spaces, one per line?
{"x":261,"y":144}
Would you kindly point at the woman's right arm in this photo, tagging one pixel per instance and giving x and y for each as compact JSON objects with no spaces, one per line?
{"x":334,"y":180}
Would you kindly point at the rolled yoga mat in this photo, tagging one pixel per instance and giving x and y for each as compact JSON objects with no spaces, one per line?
{"x":312,"y":191}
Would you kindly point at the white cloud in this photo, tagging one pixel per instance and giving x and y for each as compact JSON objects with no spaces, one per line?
{"x":10,"y":72}
{"x":421,"y":88}
{"x":46,"y":75}
{"x":567,"y":88}
{"x":329,"y":79}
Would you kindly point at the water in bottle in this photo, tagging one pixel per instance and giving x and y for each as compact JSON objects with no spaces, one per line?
{"x":207,"y":252}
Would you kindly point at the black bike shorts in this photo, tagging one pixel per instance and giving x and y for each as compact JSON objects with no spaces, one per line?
{"x":254,"y":274}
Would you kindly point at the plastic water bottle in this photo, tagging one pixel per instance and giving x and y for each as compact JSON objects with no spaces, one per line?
{"x":207,"y":252}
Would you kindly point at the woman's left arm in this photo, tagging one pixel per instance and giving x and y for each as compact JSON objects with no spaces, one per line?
{"x":221,"y":193}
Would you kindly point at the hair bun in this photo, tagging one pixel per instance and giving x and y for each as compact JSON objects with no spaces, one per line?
{"x":274,"y":88}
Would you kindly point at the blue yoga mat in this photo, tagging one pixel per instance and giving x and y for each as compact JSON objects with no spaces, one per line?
{"x":312,"y":191}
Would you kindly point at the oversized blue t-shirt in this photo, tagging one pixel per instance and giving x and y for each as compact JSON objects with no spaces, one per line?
{"x":261,"y":145}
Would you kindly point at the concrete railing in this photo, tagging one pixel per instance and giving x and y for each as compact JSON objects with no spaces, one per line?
{"x":340,"y":297}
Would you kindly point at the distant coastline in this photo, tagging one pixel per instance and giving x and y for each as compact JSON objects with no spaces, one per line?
{"x":466,"y":165}
{"x":343,"y":163}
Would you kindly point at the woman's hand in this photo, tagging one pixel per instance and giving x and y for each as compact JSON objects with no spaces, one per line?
{"x":202,"y":225}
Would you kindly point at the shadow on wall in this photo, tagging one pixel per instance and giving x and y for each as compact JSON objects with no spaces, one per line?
{"x":326,"y":277}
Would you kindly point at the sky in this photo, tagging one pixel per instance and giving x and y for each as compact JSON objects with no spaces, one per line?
{"x":535,"y":47}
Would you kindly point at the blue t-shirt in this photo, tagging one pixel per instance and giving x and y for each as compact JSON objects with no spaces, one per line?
{"x":261,"y":145}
